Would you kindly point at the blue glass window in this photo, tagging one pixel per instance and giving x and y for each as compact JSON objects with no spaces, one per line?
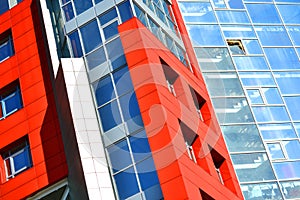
{"x":272,"y":96}
{"x":125,"y":11}
{"x":291,"y":188}
{"x":197,"y":12}
{"x":198,"y":34}
{"x":250,"y":63}
{"x":91,"y":36}
{"x":255,"y":96}
{"x":129,"y":106}
{"x":273,"y":36}
{"x":290,"y":13}
{"x":123,"y":81}
{"x":276,"y":151}
{"x":288,"y":82}
{"x":257,"y":79}
{"x":232,"y":17}
{"x":111,"y":30}
{"x":96,"y":58}
{"x":17,"y":158}
{"x":126,"y":183}
{"x":104,"y":90}
{"x":110,"y":115}
{"x":82,"y":6}
{"x":294,"y":32}
{"x":115,"y":53}
{"x":147,"y":173}
{"x":282,"y":58}
{"x":261,"y":191}
{"x":292,"y":148}
{"x":110,"y":15}
{"x":277,"y":131}
{"x":68,"y":11}
{"x":293,"y":105}
{"x":6,"y":46}
{"x":252,"y":47}
{"x":140,"y":146}
{"x":219,"y":3}
{"x":75,"y":43}
{"x":119,"y":155}
{"x":238,"y":31}
{"x":287,"y":170}
{"x":10,"y":100}
{"x":270,"y":114}
{"x":263,"y":13}
{"x":235,"y":4}
{"x":4,"y":6}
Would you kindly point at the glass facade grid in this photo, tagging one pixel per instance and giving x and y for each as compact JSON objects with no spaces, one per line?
{"x":260,"y":53}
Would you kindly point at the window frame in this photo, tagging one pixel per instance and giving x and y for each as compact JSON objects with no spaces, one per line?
{"x":6,"y":41}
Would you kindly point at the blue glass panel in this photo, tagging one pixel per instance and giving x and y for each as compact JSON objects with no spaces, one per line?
{"x":288,"y":82}
{"x":252,"y":47}
{"x":232,"y":17}
{"x":291,"y":1}
{"x":291,"y":189}
{"x":275,"y":151}
{"x":104,"y":90}
{"x":257,"y":79}
{"x":273,"y":36}
{"x":6,"y":48}
{"x":112,"y":14}
{"x":110,"y":116}
{"x":258,"y":14}
{"x":237,"y":31}
{"x":235,"y":4}
{"x":125,"y":11}
{"x":250,"y":63}
{"x":111,"y":30}
{"x":260,"y":191}
{"x":13,"y":102}
{"x":4,"y":6}
{"x":140,"y":146}
{"x":129,"y":106}
{"x":272,"y":95}
{"x":126,"y":183}
{"x":198,"y":34}
{"x":294,"y":32}
{"x":91,"y":36}
{"x":292,"y":148}
{"x":293,"y":105}
{"x":287,"y":170}
{"x":282,"y":58}
{"x":290,"y":13}
{"x":255,"y":96}
{"x":76,"y":45}
{"x":95,"y":58}
{"x":270,"y":114}
{"x":22,"y":160}
{"x":277,"y":131}
{"x":252,"y":167}
{"x":219,"y":3}
{"x":258,"y":0}
{"x":116,"y":53}
{"x":98,"y":1}
{"x":68,"y":11}
{"x":82,"y":6}
{"x":197,"y":12}
{"x":119,"y":155}
{"x":147,"y":173}
{"x":123,"y":81}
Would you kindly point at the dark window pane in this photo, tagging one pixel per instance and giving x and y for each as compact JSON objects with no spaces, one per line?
{"x":22,"y":160}
{"x":115,"y":53}
{"x":82,"y":6}
{"x":96,"y":58}
{"x":110,"y":115}
{"x":147,"y":173}
{"x":13,"y":102}
{"x":111,"y":30}
{"x":108,"y":16}
{"x":75,"y":43}
{"x":126,"y":183}
{"x":125,"y":11}
{"x":91,"y":36}
{"x":68,"y":11}
{"x":3,"y":6}
{"x":6,"y":48}
{"x":129,"y":106}
{"x":140,"y":146}
{"x":123,"y":81}
{"x":104,"y":90}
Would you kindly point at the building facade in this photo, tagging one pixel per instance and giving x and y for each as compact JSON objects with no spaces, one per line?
{"x":250,"y":63}
{"x":104,"y":99}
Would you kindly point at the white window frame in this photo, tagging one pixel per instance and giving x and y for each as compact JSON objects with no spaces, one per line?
{"x":3,"y":104}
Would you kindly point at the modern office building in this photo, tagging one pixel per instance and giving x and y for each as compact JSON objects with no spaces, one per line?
{"x":249,"y":52}
{"x":104,"y":99}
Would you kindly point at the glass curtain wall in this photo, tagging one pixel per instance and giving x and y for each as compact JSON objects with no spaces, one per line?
{"x":250,"y":62}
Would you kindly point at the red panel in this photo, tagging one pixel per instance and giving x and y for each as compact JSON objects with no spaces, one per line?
{"x":161,"y":112}
{"x":38,"y":117}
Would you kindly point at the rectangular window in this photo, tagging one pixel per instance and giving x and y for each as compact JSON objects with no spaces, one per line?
{"x":5,"y":5}
{"x":171,"y":77}
{"x":6,"y":46}
{"x":199,"y":102}
{"x":10,"y":99}
{"x":190,"y":138}
{"x":218,"y":162}
{"x":16,"y":157}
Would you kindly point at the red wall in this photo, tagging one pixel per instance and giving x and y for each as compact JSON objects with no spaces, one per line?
{"x":179,"y":176}
{"x":38,"y":118}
